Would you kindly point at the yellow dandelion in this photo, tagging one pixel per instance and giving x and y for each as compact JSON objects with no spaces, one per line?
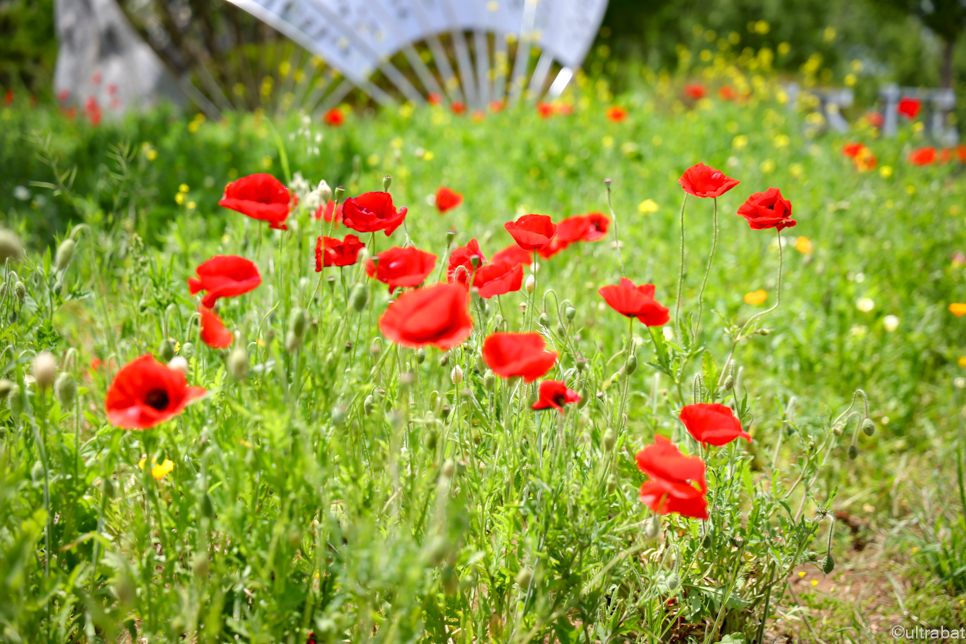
{"x":796,"y":170}
{"x":958,"y":309}
{"x":962,"y":362}
{"x":183,"y":187}
{"x":608,"y":141}
{"x":814,"y":583}
{"x":158,"y":471}
{"x":756,"y":298}
{"x":885,"y":171}
{"x":803,"y":245}
{"x":179,"y":198}
{"x":192,"y":205}
{"x":648,"y":207}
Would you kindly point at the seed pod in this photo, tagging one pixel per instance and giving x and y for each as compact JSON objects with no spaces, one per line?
{"x":292,"y":342}
{"x":448,"y":471}
{"x":207,"y":506}
{"x":238,"y":363}
{"x":653,"y":527}
{"x":359,"y":298}
{"x":828,"y":564}
{"x":524,"y":577}
{"x":188,"y":349}
{"x":544,"y":320}
{"x":729,"y":383}
{"x":339,"y":193}
{"x":531,"y":283}
{"x":179,"y":363}
{"x":338,"y":416}
{"x":611,"y":484}
{"x":420,"y":356}
{"x":10,"y":246}
{"x":853,"y":452}
{"x":456,"y":375}
{"x":444,"y":359}
{"x":631,"y":366}
{"x":166,"y":350}
{"x":489,"y":379}
{"x":570,"y":313}
{"x":66,"y":390}
{"x":368,"y":405}
{"x":45,"y":369}
{"x":65,"y":252}
{"x":609,"y":440}
{"x":868,"y":427}
{"x":20,"y":290}
{"x":706,"y":542}
{"x":5,"y":388}
{"x":16,"y":401}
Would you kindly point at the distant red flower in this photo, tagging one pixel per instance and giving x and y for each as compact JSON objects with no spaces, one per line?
{"x":767,"y":210}
{"x":112,"y":89}
{"x":513,"y":254}
{"x":531,"y":232}
{"x":910,"y":107}
{"x":93,"y":110}
{"x":498,"y":278}
{"x":961,"y":152}
{"x":434,"y":99}
{"x":437,"y":315}
{"x":695,"y":91}
{"x":554,"y":395}
{"x":401,"y":267}
{"x":852,"y":150}
{"x":704,"y":181}
{"x":458,"y":107}
{"x":70,"y":113}
{"x":590,"y":227}
{"x":478,"y":116}
{"x":923,"y":156}
{"x":518,"y":354}
{"x":63,"y":95}
{"x":497,"y":105}
{"x":214,"y":333}
{"x":564,"y":109}
{"x":97,"y":78}
{"x":334,"y":117}
{"x":260,"y":196}
{"x":712,"y":424}
{"x":329,"y":251}
{"x":945,"y":155}
{"x":875,"y":119}
{"x":616,"y":114}
{"x":447,"y":199}
{"x":464,"y":257}
{"x":224,"y":276}
{"x":8,"y":97}
{"x":673,"y":476}
{"x":865,"y":160}
{"x":146,"y":393}
{"x":545,"y":110}
{"x":325,"y":212}
{"x":727,"y":93}
{"x":635,"y":302}
{"x":372,"y":211}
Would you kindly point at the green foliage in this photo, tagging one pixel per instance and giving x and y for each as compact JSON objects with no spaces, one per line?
{"x":28,"y":45}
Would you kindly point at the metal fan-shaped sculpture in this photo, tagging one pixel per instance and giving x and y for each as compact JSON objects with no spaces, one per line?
{"x":390,"y":50}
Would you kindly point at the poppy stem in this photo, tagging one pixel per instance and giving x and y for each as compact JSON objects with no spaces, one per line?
{"x":778,"y":298}
{"x":617,"y":238}
{"x":677,"y":306}
{"x":707,"y":272}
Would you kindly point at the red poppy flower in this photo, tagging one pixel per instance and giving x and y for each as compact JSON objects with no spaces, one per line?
{"x":260,"y":196}
{"x":514,"y":255}
{"x":8,"y":97}
{"x":372,"y":211}
{"x":564,"y":109}
{"x":727,"y":93}
{"x":401,"y":267}
{"x":545,"y":110}
{"x":497,"y":105}
{"x":865,"y":160}
{"x":224,"y":276}
{"x":447,"y":199}
{"x":767,"y":210}
{"x":498,"y":278}
{"x":875,"y":119}
{"x":463,"y":257}
{"x":554,"y":395}
{"x":146,"y":393}
{"x":458,"y":107}
{"x":214,"y":333}
{"x":852,"y":150}
{"x":635,"y":302}
{"x":531,"y":232}
{"x":597,"y":226}
{"x":695,"y":91}
{"x":703,"y":181}
{"x":909,"y":107}
{"x":590,"y":228}
{"x":616,"y":114}
{"x":437,"y":315}
{"x":712,"y":424}
{"x":961,"y":152}
{"x":329,"y":251}
{"x":518,"y":354}
{"x":923,"y":156}
{"x":334,"y":117}
{"x":434,"y":98}
{"x":63,"y":95}
{"x":325,"y":212}
{"x":673,"y":476}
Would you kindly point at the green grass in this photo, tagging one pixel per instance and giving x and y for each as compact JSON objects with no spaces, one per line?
{"x":295,"y":505}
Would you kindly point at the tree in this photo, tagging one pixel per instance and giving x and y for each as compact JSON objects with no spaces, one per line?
{"x":945,"y":18}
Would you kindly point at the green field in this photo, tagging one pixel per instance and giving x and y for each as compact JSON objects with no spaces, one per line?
{"x":360,"y":491}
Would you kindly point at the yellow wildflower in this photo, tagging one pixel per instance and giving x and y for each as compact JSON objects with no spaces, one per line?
{"x":756,"y":298}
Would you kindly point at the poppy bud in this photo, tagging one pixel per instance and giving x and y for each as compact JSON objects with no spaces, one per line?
{"x":359,"y":297}
{"x":432,"y":439}
{"x":448,"y":471}
{"x":199,"y":564}
{"x":444,"y":411}
{"x":853,"y":452}
{"x":58,"y":286}
{"x":611,"y":484}
{"x":325,"y":192}
{"x":207,"y":506}
{"x":653,"y":527}
{"x":368,"y":405}
{"x":584,"y":398}
{"x":45,"y":369}
{"x":631,"y":366}
{"x":65,"y":252}
{"x":338,"y":416}
{"x":868,"y":427}
{"x":729,"y":383}
{"x":179,"y":363}
{"x":764,"y":332}
{"x":66,"y":390}
{"x":444,"y":360}
{"x":524,"y":577}
{"x":828,"y":564}
{"x":456,"y":375}
{"x":339,"y":193}
{"x":238,"y":363}
{"x":294,"y":536}
{"x":107,"y":488}
{"x":386,"y":182}
{"x":489,"y":379}
{"x":10,"y":246}
{"x":531,"y":283}
{"x":6,"y":387}
{"x":16,"y":401}
{"x":292,"y":342}
{"x":188,"y":349}
{"x":609,"y":440}
{"x":166,"y":351}
{"x":570,"y":313}
{"x":20,"y":290}
{"x":297,"y":322}
{"x":523,"y":307}
{"x":544,"y":320}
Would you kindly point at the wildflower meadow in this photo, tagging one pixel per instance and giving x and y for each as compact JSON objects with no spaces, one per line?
{"x":672,"y":364}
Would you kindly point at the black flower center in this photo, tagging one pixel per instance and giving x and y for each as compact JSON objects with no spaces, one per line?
{"x":157,"y":399}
